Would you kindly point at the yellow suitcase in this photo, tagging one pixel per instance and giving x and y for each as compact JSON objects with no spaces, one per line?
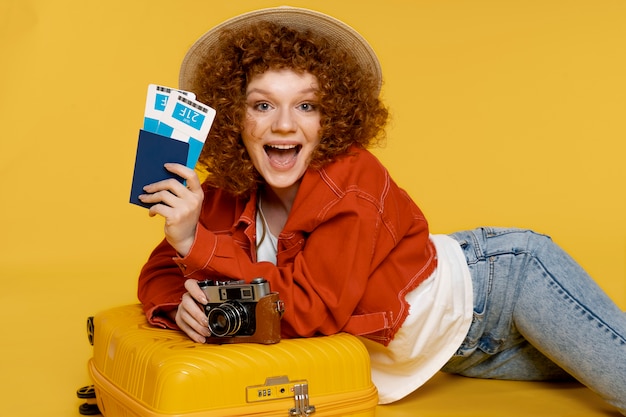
{"x":139,"y":370}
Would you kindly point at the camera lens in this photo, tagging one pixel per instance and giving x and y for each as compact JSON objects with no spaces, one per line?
{"x":227,"y":319}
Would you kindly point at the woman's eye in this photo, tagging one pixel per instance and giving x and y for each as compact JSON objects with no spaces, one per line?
{"x":262,"y":106}
{"x":307,"y":107}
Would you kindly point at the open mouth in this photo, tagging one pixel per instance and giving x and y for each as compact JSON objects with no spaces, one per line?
{"x":282,"y":155}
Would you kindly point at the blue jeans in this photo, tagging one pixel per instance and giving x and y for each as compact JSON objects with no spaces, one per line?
{"x":539,"y":316}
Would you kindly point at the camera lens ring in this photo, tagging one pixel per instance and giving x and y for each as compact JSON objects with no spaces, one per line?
{"x":227,"y":319}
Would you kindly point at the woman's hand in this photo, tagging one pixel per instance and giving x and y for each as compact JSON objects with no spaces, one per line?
{"x":179,"y":205}
{"x":190,"y":316}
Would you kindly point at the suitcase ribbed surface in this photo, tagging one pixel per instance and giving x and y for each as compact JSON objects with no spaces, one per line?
{"x":142,"y":370}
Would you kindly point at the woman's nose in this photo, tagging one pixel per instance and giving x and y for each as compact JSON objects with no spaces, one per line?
{"x":284,"y":121}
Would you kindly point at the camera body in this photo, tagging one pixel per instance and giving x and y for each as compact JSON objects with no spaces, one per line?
{"x":242,"y":313}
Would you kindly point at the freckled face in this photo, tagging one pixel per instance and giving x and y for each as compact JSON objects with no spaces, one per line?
{"x":282,"y":125}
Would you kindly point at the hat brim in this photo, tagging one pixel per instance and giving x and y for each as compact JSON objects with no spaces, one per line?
{"x":337,"y":32}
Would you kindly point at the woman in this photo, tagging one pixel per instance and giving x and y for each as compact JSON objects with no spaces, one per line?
{"x":293,"y":196}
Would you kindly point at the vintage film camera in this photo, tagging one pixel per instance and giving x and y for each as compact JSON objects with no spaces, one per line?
{"x":242,"y":313}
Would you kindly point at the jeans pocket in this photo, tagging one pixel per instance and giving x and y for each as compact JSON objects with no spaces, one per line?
{"x":480,"y":270}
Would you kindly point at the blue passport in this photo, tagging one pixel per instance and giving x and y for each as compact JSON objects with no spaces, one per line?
{"x":154,"y":151}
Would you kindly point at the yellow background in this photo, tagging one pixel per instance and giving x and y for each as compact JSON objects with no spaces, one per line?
{"x":504,"y":113}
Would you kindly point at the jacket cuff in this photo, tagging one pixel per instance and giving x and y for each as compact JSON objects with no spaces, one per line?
{"x":159,"y":316}
{"x":200,"y":254}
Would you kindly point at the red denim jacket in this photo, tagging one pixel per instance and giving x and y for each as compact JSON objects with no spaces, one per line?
{"x":354,"y":244}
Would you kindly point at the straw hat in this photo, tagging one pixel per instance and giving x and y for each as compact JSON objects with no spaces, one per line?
{"x":337,"y":32}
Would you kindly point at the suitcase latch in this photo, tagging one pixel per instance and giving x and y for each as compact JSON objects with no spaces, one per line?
{"x":280,"y":387}
{"x":301,"y":399}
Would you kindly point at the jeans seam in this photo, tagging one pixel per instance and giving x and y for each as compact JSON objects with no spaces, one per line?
{"x":578,"y":305}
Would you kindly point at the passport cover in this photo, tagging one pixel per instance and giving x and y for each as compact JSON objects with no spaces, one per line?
{"x":153,"y":151}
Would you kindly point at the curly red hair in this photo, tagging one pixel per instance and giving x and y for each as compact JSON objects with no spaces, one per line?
{"x":351,"y":111}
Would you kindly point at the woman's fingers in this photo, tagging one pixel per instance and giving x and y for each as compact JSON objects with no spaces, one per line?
{"x":189,"y":175}
{"x":192,"y":287}
{"x":158,"y":191}
{"x":191,"y":319}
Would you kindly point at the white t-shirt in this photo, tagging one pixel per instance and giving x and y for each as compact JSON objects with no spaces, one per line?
{"x":267,"y":243}
{"x":440,"y":315}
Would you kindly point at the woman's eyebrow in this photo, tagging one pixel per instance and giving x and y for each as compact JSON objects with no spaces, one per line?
{"x":266,"y":92}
